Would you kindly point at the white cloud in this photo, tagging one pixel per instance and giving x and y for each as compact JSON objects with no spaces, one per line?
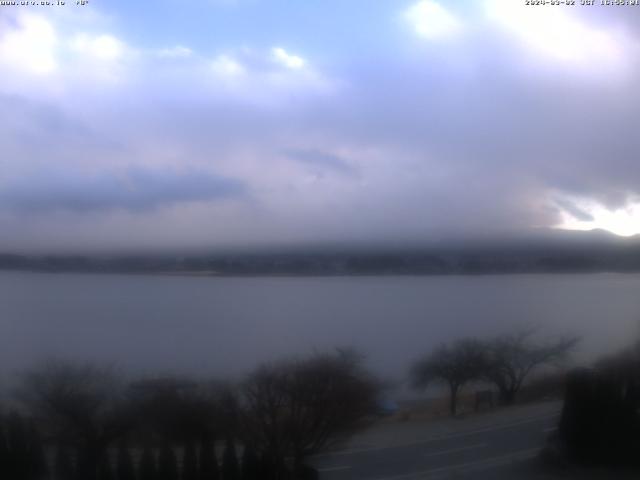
{"x":102,"y":47}
{"x":555,"y":34}
{"x":31,"y":47}
{"x":177,"y":51}
{"x":288,"y":60}
{"x":53,"y":56}
{"x":227,"y":66}
{"x":80,"y":59}
{"x":265,"y":77}
{"x":431,"y":20}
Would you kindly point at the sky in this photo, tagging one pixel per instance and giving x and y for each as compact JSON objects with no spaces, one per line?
{"x":217,"y":123}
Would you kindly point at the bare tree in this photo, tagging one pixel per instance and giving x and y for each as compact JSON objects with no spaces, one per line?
{"x":453,"y":365}
{"x":178,"y":409}
{"x":297,"y":408}
{"x":511,"y":358}
{"x":82,"y":403}
{"x":22,"y":456}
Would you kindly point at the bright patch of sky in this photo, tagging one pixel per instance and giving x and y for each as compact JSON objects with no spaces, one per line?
{"x":557,"y":34}
{"x":281,"y":56}
{"x":432,"y":20}
{"x":31,"y":46}
{"x":624,"y":221}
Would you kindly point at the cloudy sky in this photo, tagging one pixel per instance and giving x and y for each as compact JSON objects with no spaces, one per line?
{"x":268,"y":122}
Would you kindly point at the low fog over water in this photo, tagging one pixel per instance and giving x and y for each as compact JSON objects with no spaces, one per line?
{"x":224,"y":326}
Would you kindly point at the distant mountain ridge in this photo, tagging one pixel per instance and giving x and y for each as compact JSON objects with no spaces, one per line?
{"x":546,"y":251}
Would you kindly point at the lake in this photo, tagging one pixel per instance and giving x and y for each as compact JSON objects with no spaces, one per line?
{"x":225,"y":326}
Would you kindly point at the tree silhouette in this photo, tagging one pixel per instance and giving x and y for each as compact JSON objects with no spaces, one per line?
{"x":208,"y":466}
{"x":190,"y":463}
{"x":177,"y":409}
{"x":251,"y":468}
{"x":147,"y":469}
{"x":22,"y":455}
{"x":18,"y":448}
{"x":124,"y":463}
{"x":167,"y":463}
{"x":454,"y":365}
{"x":230,"y":467}
{"x":63,"y":465}
{"x":4,"y":450}
{"x":105,"y":470}
{"x":38,"y":467}
{"x":600,"y":420}
{"x":81,"y":402}
{"x":298,"y":408}
{"x":511,"y":358}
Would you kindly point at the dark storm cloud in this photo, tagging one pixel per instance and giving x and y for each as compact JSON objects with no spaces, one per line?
{"x":135,"y":189}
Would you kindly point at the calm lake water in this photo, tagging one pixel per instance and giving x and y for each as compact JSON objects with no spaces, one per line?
{"x":225,"y":326}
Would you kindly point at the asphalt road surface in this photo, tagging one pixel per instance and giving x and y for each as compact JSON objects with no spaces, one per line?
{"x":497,"y":445}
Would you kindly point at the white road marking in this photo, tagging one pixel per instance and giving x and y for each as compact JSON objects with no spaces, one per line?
{"x":549,"y":430}
{"x":466,"y":467}
{"x":333,"y":469}
{"x":455,"y":450}
{"x":438,"y":438}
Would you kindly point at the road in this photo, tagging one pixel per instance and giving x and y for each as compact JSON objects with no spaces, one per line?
{"x":496,"y":445}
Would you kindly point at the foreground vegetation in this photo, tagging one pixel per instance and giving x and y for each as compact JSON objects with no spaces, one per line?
{"x":85,"y":422}
{"x":99,"y":427}
{"x":600,"y":422}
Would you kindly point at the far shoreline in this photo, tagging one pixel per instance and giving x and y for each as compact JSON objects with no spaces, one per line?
{"x":217,"y":274}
